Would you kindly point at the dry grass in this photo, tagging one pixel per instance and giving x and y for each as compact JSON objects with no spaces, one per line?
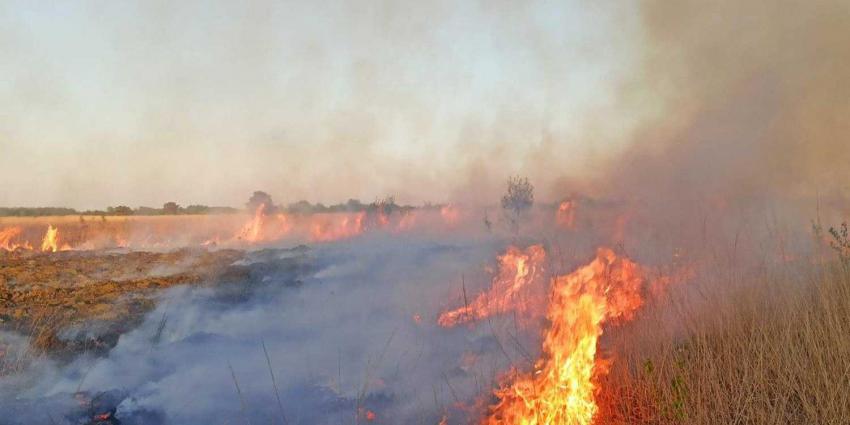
{"x":93,"y":232}
{"x":767,"y":349}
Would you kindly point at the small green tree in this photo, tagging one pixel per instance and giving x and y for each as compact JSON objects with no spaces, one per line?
{"x":518,"y":199}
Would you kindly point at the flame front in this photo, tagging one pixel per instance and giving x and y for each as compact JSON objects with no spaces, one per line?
{"x":9,"y":237}
{"x":517,"y":269}
{"x":50,"y":243}
{"x":337,"y":226}
{"x":561,"y":390}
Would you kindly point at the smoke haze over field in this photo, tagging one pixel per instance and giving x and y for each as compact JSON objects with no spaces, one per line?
{"x":756,"y":97}
{"x":108,"y":103}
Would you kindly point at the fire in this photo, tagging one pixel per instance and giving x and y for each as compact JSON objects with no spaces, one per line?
{"x":264,"y":227}
{"x":517,"y":270}
{"x":561,"y":389}
{"x":253,"y":230}
{"x":50,"y":243}
{"x":8,"y":237}
{"x":406,"y":222}
{"x":335,"y":227}
{"x":450,"y":214}
{"x":566,"y":215}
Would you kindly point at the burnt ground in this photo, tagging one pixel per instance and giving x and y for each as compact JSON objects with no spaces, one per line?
{"x":56,"y":299}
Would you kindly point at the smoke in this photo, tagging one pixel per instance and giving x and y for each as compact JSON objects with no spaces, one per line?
{"x":346,"y":326}
{"x":124,"y":104}
{"x":749,"y":101}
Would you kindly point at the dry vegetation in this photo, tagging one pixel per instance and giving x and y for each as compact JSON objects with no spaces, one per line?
{"x":773,"y":348}
{"x":44,"y":295}
{"x":95,"y":232}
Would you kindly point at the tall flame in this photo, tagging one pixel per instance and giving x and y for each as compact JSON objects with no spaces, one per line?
{"x":50,"y":243}
{"x":561,"y":389}
{"x":253,"y":230}
{"x":517,"y":269}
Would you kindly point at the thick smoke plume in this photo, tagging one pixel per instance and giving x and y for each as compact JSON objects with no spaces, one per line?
{"x":749,"y":99}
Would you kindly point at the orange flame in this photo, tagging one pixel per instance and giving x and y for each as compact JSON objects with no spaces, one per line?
{"x":566,"y":215}
{"x":561,"y":390}
{"x":253,"y":230}
{"x":406,"y":222}
{"x":8,"y":237}
{"x":50,"y":243}
{"x":450,"y":214}
{"x":264,"y":227}
{"x":517,"y":269}
{"x":336,"y":227}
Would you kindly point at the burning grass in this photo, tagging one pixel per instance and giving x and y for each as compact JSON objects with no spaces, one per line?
{"x":768,"y":349}
{"x":622,"y":342}
{"x":765,"y":346}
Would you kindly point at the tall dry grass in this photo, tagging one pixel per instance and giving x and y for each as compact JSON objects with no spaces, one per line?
{"x":769,"y":348}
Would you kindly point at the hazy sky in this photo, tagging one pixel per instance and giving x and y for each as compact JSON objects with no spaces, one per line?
{"x":105,"y":102}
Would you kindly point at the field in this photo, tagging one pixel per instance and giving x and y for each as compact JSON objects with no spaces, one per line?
{"x":768,"y":349}
{"x":93,"y":232}
{"x":418,"y":323}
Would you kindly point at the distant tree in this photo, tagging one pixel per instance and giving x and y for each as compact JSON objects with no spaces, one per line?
{"x":300,"y":207}
{"x":35,"y":212}
{"x":196,"y":209}
{"x":354,"y":205}
{"x":170,"y":208}
{"x":216,"y":210}
{"x":147,"y":211}
{"x":518,"y":199}
{"x":260,"y":198}
{"x":121,"y":210}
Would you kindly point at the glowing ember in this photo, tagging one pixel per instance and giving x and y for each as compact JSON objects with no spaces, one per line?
{"x":561,"y":388}
{"x":517,"y":269}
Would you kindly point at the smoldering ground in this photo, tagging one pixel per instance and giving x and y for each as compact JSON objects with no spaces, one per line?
{"x":349,"y":328}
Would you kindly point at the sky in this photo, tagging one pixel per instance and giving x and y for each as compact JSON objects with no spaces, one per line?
{"x":139,"y":103}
